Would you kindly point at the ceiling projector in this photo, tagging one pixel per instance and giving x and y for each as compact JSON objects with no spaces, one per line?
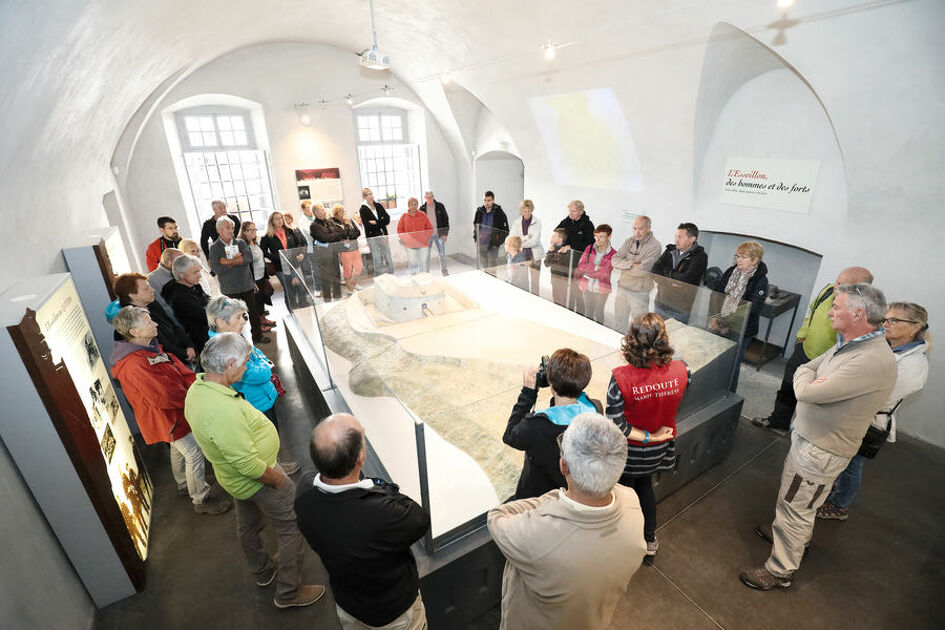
{"x":373,"y":59}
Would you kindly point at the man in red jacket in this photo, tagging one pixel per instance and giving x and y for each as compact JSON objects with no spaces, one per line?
{"x":169,"y":239}
{"x":156,"y":384}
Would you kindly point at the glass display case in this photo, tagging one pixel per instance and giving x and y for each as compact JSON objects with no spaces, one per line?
{"x":432,"y":364}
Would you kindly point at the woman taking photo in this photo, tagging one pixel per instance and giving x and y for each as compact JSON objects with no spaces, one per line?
{"x":642,"y":400}
{"x":906,"y":326}
{"x":230,"y":315}
{"x":528,"y":228}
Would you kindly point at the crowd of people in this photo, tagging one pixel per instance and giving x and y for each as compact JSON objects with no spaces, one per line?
{"x":583,"y":516}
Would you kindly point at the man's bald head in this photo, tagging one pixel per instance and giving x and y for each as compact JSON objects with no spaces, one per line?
{"x":337,"y":446}
{"x":169,"y":255}
{"x":855,"y":275}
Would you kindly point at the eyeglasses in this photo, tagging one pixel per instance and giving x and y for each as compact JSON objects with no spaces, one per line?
{"x":896,"y":320}
{"x":245,"y":316}
{"x":741,"y":256}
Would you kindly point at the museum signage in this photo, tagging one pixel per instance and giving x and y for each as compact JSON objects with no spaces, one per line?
{"x":770,"y":183}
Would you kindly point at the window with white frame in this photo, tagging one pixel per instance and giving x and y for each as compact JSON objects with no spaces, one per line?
{"x":222,"y":162}
{"x":389,"y":164}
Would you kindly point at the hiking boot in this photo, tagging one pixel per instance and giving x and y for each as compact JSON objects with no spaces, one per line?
{"x":761,"y":579}
{"x":213,"y":506}
{"x":764,"y":532}
{"x":307,"y":595}
{"x":832,"y":512}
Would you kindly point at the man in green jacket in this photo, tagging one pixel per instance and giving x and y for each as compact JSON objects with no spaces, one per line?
{"x":814,"y":337}
{"x":242,"y":445}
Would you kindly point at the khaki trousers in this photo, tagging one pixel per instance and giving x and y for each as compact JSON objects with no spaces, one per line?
{"x":414,"y":618}
{"x":809,"y":473}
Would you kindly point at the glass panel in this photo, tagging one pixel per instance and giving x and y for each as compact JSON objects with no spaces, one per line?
{"x":223,"y":123}
{"x":239,"y":137}
{"x":237,"y":122}
{"x":196,"y":140}
{"x":206,"y":123}
{"x":209,"y":139}
{"x":192,"y":123}
{"x":226,"y":138}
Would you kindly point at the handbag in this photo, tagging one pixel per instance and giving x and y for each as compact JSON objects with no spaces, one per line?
{"x":277,"y":383}
{"x":875,"y":438}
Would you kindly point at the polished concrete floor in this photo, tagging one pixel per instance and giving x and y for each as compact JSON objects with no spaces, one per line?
{"x":882,"y":568}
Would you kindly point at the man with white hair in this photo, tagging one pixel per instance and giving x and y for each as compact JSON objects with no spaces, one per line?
{"x":838,"y":394}
{"x":634,"y":259}
{"x":440,"y":221}
{"x":242,"y":444}
{"x":231,"y":261}
{"x":571,"y":552}
{"x":208,"y":234}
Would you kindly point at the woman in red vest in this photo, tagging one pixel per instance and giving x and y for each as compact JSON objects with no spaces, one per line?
{"x":642,"y":400}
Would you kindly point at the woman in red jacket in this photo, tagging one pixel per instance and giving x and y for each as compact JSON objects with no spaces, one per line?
{"x":594,"y":270}
{"x":156,"y":383}
{"x":642,"y":400}
{"x":415,"y":232}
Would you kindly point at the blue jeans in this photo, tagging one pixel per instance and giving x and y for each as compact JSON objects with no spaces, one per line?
{"x":441,"y":248}
{"x":848,"y":483}
{"x":418,"y":259}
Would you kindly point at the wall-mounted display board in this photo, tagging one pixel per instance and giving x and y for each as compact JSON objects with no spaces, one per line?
{"x":770,"y":183}
{"x":95,"y":259}
{"x":321,"y":185}
{"x":69,"y":437}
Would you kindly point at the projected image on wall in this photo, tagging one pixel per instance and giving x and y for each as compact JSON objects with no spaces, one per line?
{"x":588,"y":140}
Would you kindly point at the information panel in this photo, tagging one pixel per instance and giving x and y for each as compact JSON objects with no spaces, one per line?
{"x":770,"y":183}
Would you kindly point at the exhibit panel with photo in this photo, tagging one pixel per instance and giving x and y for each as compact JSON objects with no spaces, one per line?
{"x":65,"y":328}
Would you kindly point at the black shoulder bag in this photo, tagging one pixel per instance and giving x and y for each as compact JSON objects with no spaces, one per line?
{"x":875,"y":438}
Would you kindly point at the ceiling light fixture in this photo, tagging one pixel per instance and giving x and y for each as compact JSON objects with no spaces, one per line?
{"x":549,"y":49}
{"x":387,"y":89}
{"x":784,"y":4}
{"x":301,"y":109}
{"x":349,"y":99}
{"x":323,"y":103}
{"x":446,"y":78}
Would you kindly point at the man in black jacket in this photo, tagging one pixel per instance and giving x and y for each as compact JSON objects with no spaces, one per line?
{"x":580,"y":231}
{"x":362,"y":530}
{"x":490,"y":228}
{"x":375,"y":220}
{"x":209,"y":234}
{"x":682,"y":265}
{"x":327,"y":234}
{"x":436,"y":212}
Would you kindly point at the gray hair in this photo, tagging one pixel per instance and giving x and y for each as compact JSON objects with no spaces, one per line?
{"x":224,"y":220}
{"x":646,"y":220}
{"x":128,"y":318}
{"x":596,"y":453}
{"x":183,"y":264}
{"x":224,"y":308}
{"x":866,"y":297}
{"x":223,"y":348}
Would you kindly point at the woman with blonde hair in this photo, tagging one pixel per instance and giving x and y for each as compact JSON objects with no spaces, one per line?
{"x":642,"y":400}
{"x":278,"y":237}
{"x":907,"y":332}
{"x":350,"y":253}
{"x":528,"y":228}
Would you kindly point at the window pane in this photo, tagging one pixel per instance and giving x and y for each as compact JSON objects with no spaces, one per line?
{"x":363,"y":134}
{"x":216,"y":190}
{"x":237,"y":122}
{"x":228,"y":189}
{"x":254,"y":186}
{"x":209,"y":139}
{"x":196,"y":140}
{"x":240,"y":137}
{"x":206,"y":123}
{"x":225,"y":172}
{"x":223,"y":123}
{"x":373,"y":122}
{"x":192,"y":123}
{"x":226,"y":138}
{"x":239,"y":171}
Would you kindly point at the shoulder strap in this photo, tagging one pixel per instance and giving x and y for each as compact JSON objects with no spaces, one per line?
{"x":820,"y":299}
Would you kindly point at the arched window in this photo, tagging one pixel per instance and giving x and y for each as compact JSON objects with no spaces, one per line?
{"x":223,"y":161}
{"x":389,"y":163}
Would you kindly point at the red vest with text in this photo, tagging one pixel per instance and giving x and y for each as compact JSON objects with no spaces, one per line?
{"x":651,"y":396}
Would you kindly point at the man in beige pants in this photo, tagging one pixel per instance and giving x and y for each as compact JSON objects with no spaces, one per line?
{"x":838,"y":394}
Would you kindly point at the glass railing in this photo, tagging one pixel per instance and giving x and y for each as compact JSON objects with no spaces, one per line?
{"x":433,"y":364}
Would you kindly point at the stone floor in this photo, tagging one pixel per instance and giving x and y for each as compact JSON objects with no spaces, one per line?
{"x":882,"y":568}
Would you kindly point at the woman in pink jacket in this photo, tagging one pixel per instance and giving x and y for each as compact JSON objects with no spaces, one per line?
{"x":594,"y":271}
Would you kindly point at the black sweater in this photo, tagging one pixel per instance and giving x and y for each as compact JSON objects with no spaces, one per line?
{"x":363,"y":538}
{"x":580,"y":233}
{"x":500,"y":225}
{"x":535,"y":434}
{"x":379,"y":214}
{"x":189,"y":304}
{"x":271,"y":245}
{"x":209,"y":234}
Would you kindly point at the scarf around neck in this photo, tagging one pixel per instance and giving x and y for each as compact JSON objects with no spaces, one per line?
{"x":735,"y":289}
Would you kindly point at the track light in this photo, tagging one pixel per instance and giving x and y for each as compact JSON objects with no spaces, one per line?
{"x":549,"y":49}
{"x":349,"y":99}
{"x":301,"y":109}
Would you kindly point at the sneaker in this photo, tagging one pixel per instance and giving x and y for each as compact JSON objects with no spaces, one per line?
{"x":761,"y":579}
{"x":289,"y":468}
{"x":764,"y":532}
{"x":307,"y":595}
{"x":831,"y":512}
{"x":764,"y":423}
{"x":445,"y":272}
{"x":652,"y":547}
{"x":213,"y":507}
{"x":266,"y":579}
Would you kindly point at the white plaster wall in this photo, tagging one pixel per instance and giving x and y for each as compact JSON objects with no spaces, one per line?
{"x":503,"y":174}
{"x":276,"y":76}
